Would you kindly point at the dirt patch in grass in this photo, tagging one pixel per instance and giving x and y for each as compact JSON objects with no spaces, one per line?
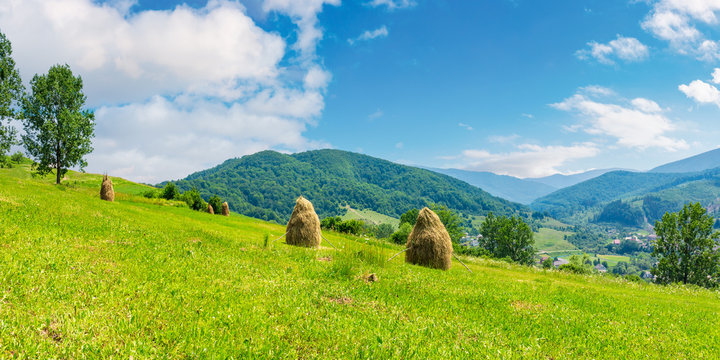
{"x":370,"y":278}
{"x":340,"y":300}
{"x":325,"y":258}
{"x":520,"y":305}
{"x":52,"y":332}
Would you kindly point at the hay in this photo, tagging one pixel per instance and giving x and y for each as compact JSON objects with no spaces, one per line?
{"x":303,"y":229}
{"x":429,"y":243}
{"x":226,"y":209}
{"x":106,"y":189}
{"x":210,"y":209}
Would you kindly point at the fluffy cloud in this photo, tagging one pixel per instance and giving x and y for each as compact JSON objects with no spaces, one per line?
{"x":179,"y":90}
{"x":369,"y":35}
{"x":640,"y":125}
{"x":527,"y":161}
{"x":702,"y":92}
{"x":393,"y":4}
{"x":624,"y":48}
{"x":676,"y":22}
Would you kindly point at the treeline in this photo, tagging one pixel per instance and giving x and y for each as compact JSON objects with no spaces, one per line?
{"x":265,"y":185}
{"x":192,"y":198}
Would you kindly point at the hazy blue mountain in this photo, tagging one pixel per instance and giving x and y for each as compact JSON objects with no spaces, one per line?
{"x":265,"y":185}
{"x":700,"y":162}
{"x":504,"y":186}
{"x":560,"y":181}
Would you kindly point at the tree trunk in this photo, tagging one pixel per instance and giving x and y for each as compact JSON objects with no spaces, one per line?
{"x":57,"y":164}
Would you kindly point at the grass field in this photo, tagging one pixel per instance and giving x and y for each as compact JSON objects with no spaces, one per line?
{"x":81,"y":278}
{"x":552,"y":240}
{"x":370,"y":217}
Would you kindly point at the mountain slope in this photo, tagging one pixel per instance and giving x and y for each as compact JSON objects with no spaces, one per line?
{"x":136,"y":279}
{"x":607,"y":187}
{"x":560,"y":181}
{"x":265,"y":185}
{"x":504,"y":186}
{"x":700,"y":162}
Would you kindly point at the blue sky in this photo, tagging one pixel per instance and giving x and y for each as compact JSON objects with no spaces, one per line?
{"x":525,"y":88}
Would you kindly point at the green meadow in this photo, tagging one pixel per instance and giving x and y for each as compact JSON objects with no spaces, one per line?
{"x":81,"y":278}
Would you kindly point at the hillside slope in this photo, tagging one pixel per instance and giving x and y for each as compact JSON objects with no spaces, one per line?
{"x":507,"y":187}
{"x":700,"y":162}
{"x":84,"y":278}
{"x":265,"y":185}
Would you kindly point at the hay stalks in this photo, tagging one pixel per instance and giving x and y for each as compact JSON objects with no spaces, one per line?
{"x":225,"y":209}
{"x":210,"y":209}
{"x":106,"y":189}
{"x":429,"y":243}
{"x":303,"y":229}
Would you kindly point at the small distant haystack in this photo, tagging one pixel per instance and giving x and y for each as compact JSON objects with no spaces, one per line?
{"x":106,"y":189}
{"x":429,"y":243}
{"x":226,"y":209}
{"x":303,"y":229}
{"x":210,"y":209}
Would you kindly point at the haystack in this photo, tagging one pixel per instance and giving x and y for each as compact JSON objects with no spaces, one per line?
{"x":429,"y":243}
{"x":303,"y":229}
{"x":106,"y":189}
{"x":210,"y":209}
{"x":226,"y":209}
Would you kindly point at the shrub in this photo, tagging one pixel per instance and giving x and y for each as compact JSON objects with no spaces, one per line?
{"x":353,"y":226}
{"x":194,"y":200}
{"x":150,"y":194}
{"x":401,"y":236}
{"x":216,"y":204}
{"x":547,"y":264}
{"x":17,"y":157}
{"x":170,"y":192}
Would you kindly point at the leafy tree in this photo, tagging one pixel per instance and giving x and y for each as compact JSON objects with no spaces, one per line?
{"x":547,"y":263}
{"x":194,"y":200}
{"x":508,"y":237}
{"x":383,"y":231}
{"x":410,"y":217}
{"x":401,"y":236}
{"x":330,"y":222}
{"x":578,"y":265}
{"x":58,"y":130}
{"x":11,"y":90}
{"x":686,"y":247}
{"x":216,"y":204}
{"x":351,"y":226}
{"x":170,"y":192}
{"x":451,"y":220}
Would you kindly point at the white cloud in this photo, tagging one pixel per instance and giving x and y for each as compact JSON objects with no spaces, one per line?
{"x":179,"y":90}
{"x":503,"y":139}
{"x":701,"y":92}
{"x":676,"y":21}
{"x":377,"y":114}
{"x":369,"y":35}
{"x":465,"y":126}
{"x":527,"y":161}
{"x":716,"y":76}
{"x":304,"y":14}
{"x":624,"y":48}
{"x":393,"y":4}
{"x":642,"y":125}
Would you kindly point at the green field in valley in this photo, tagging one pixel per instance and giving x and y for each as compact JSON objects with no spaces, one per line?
{"x":84,"y":278}
{"x":370,"y":217}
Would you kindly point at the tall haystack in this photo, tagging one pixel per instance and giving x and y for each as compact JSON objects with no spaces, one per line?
{"x":210,"y":209}
{"x":106,"y":189}
{"x":226,"y":209}
{"x":429,"y":243}
{"x":303,"y":229}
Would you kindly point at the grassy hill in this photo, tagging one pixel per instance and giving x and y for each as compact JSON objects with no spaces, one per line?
{"x":84,"y":278}
{"x":264,"y":185}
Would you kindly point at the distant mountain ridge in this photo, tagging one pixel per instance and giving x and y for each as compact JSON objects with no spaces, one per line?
{"x":508,"y":187}
{"x":265,"y":185}
{"x":560,"y":181}
{"x":700,"y":162}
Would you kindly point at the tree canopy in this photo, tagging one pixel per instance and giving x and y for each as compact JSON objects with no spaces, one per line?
{"x":58,"y":129}
{"x":11,"y":89}
{"x":508,"y":237}
{"x":686,"y":247}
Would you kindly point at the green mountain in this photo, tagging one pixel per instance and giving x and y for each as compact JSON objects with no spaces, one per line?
{"x":265,"y":185}
{"x":515,"y":189}
{"x":652,"y":193}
